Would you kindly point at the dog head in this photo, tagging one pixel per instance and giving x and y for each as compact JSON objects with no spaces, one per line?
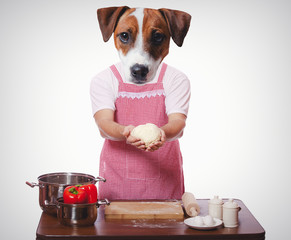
{"x":142,"y":37}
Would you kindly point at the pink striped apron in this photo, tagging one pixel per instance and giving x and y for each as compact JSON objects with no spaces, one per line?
{"x":132,"y":173}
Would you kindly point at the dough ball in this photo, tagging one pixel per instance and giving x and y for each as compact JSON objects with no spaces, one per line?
{"x":148,"y":133}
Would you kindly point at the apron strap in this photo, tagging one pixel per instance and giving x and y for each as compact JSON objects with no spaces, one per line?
{"x":116,"y":73}
{"x":162,"y":73}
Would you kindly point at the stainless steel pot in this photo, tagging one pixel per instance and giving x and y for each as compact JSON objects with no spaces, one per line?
{"x":52,"y":185}
{"x":78,"y":214}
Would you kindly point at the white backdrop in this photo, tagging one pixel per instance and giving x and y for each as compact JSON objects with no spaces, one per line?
{"x":237,"y":140}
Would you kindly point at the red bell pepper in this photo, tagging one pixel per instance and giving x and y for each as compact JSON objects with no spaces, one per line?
{"x":75,"y":195}
{"x":91,"y":191}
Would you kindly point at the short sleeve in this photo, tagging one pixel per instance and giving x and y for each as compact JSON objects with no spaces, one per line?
{"x":177,"y":90}
{"x":102,"y":91}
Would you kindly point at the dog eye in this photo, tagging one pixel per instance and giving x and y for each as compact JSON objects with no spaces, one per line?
{"x":157,"y":38}
{"x":124,"y":37}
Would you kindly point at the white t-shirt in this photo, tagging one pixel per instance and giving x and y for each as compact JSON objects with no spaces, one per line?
{"x":104,"y":90}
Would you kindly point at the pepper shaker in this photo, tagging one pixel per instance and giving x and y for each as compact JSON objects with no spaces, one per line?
{"x":215,"y":207}
{"x":230,"y":213}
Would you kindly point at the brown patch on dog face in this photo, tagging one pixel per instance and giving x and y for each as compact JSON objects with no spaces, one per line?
{"x":126,"y":25}
{"x":156,"y":35}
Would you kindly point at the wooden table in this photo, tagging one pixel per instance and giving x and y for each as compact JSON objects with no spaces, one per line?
{"x":49,"y":228}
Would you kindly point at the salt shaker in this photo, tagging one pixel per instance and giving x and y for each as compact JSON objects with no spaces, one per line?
{"x":215,"y":207}
{"x":230,"y":213}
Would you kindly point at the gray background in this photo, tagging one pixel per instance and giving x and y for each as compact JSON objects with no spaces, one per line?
{"x":237,"y":140}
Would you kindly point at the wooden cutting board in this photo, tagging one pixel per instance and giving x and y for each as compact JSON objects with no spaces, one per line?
{"x":144,"y":210}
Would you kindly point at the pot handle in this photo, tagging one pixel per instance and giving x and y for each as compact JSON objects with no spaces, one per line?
{"x":98,"y":179}
{"x":103,"y":202}
{"x":49,"y":204}
{"x":32,"y":184}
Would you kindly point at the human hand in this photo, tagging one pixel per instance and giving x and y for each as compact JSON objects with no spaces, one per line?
{"x":133,"y":140}
{"x":157,"y":144}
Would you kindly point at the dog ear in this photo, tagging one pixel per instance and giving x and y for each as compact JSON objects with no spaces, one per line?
{"x":108,"y":19}
{"x":178,"y":24}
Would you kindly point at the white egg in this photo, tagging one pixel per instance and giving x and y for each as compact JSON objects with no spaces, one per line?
{"x":208,"y":221}
{"x":198,"y":221}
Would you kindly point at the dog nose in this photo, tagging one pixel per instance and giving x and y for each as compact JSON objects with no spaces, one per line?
{"x":139,"y":71}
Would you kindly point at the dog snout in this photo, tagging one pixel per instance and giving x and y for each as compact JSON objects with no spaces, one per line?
{"x":139,"y":71}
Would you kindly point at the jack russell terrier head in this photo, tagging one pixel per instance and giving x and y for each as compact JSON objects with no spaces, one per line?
{"x":142,"y":37}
